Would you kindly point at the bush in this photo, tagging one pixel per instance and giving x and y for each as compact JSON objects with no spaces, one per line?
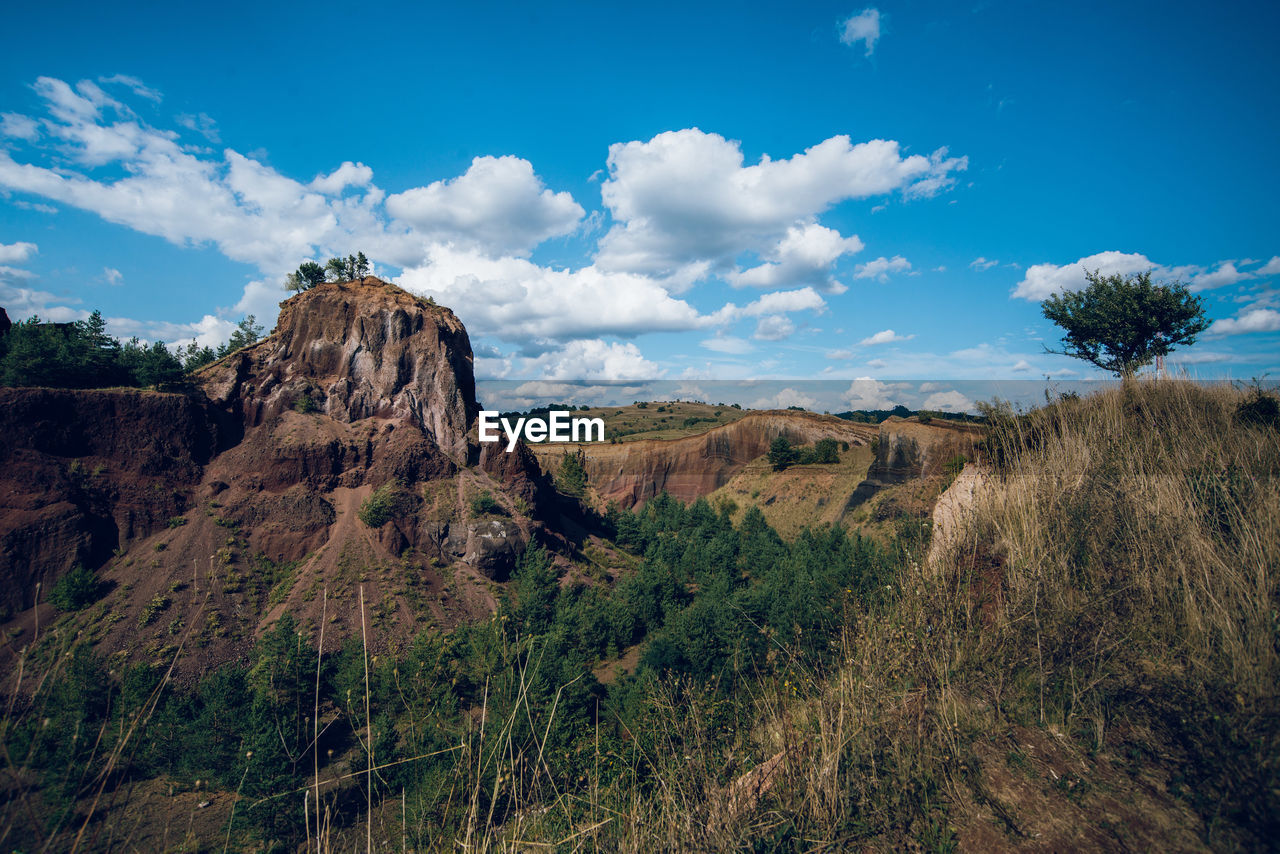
{"x":387,"y":503}
{"x":484,"y":504}
{"x":1259,"y":409}
{"x":1120,"y":323}
{"x":75,"y":590}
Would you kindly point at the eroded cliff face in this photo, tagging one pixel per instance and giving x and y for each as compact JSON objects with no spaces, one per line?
{"x":690,"y":467}
{"x":83,"y":473}
{"x":906,"y":450}
{"x":216,"y":510}
{"x":357,"y":350}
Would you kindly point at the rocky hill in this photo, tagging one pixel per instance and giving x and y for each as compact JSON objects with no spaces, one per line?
{"x":206,"y":514}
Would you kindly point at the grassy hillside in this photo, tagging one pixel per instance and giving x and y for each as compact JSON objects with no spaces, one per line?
{"x":1089,"y":661}
{"x":661,"y":419}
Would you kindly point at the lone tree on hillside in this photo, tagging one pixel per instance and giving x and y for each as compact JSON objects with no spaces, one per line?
{"x":1121,"y":323}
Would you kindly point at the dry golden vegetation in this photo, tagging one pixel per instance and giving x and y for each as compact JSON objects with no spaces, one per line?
{"x":661,"y":419}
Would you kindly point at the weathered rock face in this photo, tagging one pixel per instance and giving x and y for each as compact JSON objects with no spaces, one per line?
{"x":908,"y":449}
{"x":492,"y":545}
{"x":264,"y":468}
{"x":688,"y":468}
{"x":85,"y":472}
{"x":357,"y":350}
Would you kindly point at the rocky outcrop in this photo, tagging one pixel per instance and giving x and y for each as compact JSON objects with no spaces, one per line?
{"x":690,"y":467}
{"x":83,"y":473}
{"x":266,"y":463}
{"x":955,"y":509}
{"x":356,"y":350}
{"x":908,"y":449}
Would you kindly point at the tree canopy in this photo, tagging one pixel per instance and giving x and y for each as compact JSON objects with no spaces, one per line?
{"x":81,"y":354}
{"x":1122,"y":322}
{"x":336,"y":269}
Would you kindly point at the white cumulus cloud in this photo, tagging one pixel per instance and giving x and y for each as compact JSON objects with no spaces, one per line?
{"x":868,"y":393}
{"x":1256,"y":320}
{"x":785,"y":398}
{"x":19,"y":127}
{"x":1043,"y":280}
{"x":594,"y":359}
{"x":517,"y":300}
{"x":347,"y":175}
{"x":685,"y":206}
{"x":948,"y":401}
{"x":774,"y":328}
{"x":17,"y":253}
{"x":498,"y":205}
{"x":804,"y":255}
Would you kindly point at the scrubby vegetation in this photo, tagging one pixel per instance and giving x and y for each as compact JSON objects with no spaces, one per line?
{"x":1113,"y":587}
{"x":75,"y":590}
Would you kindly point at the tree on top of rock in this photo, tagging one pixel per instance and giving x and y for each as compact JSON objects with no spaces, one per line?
{"x":308,"y":275}
{"x":336,"y":269}
{"x":345,"y":269}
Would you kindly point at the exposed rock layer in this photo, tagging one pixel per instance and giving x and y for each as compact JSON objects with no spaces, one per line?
{"x":83,"y":473}
{"x":908,"y":449}
{"x":687,"y":468}
{"x":264,"y":468}
{"x":357,"y":350}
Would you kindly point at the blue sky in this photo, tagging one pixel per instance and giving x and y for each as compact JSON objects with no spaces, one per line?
{"x":852,"y":193}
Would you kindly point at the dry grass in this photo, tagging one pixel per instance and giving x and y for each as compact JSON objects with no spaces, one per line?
{"x":1115,"y":588}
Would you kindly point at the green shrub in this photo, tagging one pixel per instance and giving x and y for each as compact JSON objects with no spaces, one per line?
{"x":75,"y":590}
{"x":781,"y":453}
{"x":484,"y":504}
{"x":390,"y":501}
{"x":305,"y":404}
{"x":152,"y":610}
